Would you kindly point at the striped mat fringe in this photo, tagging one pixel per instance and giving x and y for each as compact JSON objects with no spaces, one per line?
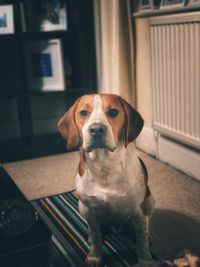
{"x":70,"y":233}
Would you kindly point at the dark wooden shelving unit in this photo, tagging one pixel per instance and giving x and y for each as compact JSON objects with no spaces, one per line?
{"x":78,"y":45}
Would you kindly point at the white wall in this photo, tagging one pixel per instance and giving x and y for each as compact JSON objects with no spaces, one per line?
{"x":144,"y":100}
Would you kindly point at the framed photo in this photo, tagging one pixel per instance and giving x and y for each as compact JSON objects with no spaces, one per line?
{"x":172,"y":3}
{"x":193,"y":2}
{"x":145,"y":5}
{"x":6,"y":19}
{"x":46,"y":15}
{"x":44,"y":64}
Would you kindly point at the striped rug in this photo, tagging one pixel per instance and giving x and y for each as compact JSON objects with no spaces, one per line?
{"x":70,"y":233}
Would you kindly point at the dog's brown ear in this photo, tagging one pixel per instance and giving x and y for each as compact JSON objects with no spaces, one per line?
{"x":133,"y":122}
{"x":68,"y":129}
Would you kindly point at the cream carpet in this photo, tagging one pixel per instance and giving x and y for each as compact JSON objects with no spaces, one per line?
{"x":46,"y":176}
{"x":175,"y":224}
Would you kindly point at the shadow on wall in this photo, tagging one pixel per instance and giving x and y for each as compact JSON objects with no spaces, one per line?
{"x":172,"y":232}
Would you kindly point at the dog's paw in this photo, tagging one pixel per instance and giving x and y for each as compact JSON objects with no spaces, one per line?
{"x":93,"y":261}
{"x":187,"y":258}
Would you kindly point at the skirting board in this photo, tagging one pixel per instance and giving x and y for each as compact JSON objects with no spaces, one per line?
{"x":179,"y":156}
{"x":170,"y":152}
{"x":147,"y":141}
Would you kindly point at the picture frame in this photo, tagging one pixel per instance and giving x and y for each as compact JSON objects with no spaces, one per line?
{"x":172,"y":3}
{"x":193,"y":3}
{"x":44,"y":64}
{"x":46,"y":15}
{"x":6,"y":19}
{"x":145,"y":5}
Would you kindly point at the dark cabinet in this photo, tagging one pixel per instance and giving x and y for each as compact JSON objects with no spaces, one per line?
{"x":29,"y":110}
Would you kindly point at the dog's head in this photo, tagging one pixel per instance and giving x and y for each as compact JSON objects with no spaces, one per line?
{"x":100,"y":121}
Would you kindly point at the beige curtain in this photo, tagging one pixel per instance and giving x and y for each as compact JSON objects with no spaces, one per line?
{"x":114,"y":47}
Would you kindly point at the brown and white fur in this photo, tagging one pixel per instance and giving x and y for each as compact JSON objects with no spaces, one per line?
{"x":110,"y":180}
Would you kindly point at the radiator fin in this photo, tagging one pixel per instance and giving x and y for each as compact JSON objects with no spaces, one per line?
{"x":175,"y":57}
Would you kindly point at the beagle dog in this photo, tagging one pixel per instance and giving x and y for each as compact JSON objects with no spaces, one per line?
{"x":111,"y":179}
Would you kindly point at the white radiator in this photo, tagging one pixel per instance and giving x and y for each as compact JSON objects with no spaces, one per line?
{"x":175,"y":56}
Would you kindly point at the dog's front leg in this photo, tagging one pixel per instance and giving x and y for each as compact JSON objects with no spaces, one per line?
{"x":141,"y":225}
{"x":94,"y":257}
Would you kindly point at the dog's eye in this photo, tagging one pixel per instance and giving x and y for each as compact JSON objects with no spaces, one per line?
{"x":112,"y":113}
{"x":84,"y":113}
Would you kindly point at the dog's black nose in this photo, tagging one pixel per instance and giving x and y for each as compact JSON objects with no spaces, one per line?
{"x":97,"y":130}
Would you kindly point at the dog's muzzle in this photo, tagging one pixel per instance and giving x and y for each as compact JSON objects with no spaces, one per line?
{"x":97,"y":133}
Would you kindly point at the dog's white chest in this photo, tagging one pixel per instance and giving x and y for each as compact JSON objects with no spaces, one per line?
{"x":117,"y":186}
{"x":112,"y":200}
{"x":99,"y":194}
